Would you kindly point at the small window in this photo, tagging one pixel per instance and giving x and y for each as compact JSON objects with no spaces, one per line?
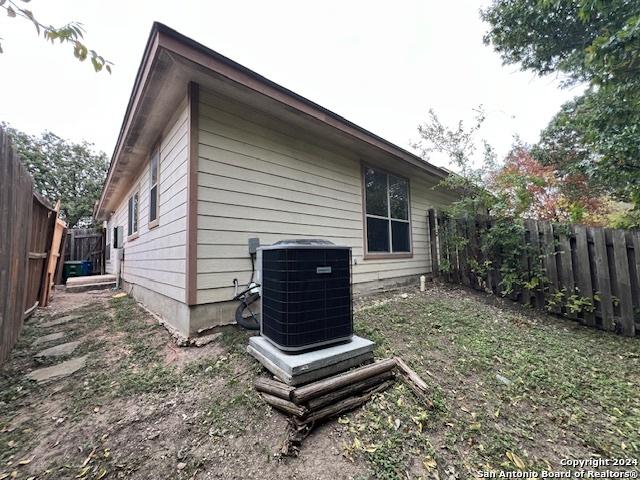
{"x":154,"y":170}
{"x":387,"y":212}
{"x":133,"y":214}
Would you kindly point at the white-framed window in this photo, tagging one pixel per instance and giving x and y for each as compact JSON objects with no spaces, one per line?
{"x":154,"y":182}
{"x":133,"y":214}
{"x":387,"y":213}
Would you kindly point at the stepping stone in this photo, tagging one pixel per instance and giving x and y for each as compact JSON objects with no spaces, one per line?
{"x":61,"y":370}
{"x":49,"y":338}
{"x":61,"y":350}
{"x":58,"y":321}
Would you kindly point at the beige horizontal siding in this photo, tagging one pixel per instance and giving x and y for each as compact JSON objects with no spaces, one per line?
{"x":156,"y":259}
{"x":256,"y":180}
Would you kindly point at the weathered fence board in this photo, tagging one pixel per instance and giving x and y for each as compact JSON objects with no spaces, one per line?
{"x":623,"y":276}
{"x":583,"y":271}
{"x":25,"y":223}
{"x":550,"y":256}
{"x":603,"y":278}
{"x":589,"y":274}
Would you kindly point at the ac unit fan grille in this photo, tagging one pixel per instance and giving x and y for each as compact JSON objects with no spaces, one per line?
{"x":306,"y":296}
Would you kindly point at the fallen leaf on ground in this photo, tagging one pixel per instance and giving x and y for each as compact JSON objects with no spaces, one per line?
{"x":83,"y":472}
{"x":429,"y":464}
{"x":516,"y":460}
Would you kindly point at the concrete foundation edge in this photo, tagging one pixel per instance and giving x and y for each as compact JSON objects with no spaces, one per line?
{"x":190,"y":321}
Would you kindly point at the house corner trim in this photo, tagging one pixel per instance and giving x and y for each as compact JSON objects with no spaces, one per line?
{"x":193,"y":95}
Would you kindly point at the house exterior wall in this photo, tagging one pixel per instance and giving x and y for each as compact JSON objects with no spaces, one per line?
{"x":255,"y":180}
{"x":155,"y":259}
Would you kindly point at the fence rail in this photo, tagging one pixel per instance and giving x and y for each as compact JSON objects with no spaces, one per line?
{"x":27,"y":223}
{"x":590,"y":274}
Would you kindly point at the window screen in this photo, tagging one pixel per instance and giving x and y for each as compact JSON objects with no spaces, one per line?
{"x":154,"y":170}
{"x":133,"y":214}
{"x":387,"y":212}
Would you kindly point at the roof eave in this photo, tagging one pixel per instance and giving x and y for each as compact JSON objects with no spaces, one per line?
{"x":165,"y":37}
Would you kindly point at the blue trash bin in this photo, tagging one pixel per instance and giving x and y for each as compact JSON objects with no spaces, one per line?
{"x":86,"y":267}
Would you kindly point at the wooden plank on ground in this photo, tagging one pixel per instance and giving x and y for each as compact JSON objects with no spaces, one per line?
{"x":331,"y":384}
{"x":627,"y":321}
{"x":603,"y":278}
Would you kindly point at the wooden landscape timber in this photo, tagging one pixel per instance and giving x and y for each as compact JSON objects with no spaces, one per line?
{"x":330,"y":384}
{"x":326,"y":398}
{"x":273,"y":387}
{"x":415,"y":383}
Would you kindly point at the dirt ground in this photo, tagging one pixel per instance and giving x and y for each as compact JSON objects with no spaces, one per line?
{"x":144,"y":408}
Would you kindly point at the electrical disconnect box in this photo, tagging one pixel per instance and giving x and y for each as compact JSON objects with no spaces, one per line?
{"x":254,"y":243}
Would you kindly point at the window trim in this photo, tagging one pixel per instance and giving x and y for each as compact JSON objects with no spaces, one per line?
{"x":134,"y":233}
{"x":154,"y":223}
{"x":384,"y":255}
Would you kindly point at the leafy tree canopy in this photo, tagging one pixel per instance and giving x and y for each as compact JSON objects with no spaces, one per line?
{"x":62,"y":170}
{"x":592,"y":41}
{"x":520,"y":187}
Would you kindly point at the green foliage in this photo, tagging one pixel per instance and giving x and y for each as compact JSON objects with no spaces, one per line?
{"x":62,"y":170}
{"x":494,"y":203}
{"x":460,"y":144}
{"x":72,"y":33}
{"x":589,"y":41}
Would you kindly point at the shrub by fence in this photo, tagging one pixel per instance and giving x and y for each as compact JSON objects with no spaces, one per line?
{"x":589,"y":274}
{"x":27,"y":224}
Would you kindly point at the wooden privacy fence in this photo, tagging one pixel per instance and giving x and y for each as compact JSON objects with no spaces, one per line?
{"x":589,"y":274}
{"x":27,"y":246}
{"x":86,"y":244}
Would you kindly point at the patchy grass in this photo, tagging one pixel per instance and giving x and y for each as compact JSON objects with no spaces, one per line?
{"x":574,"y":391}
{"x":144,"y":408}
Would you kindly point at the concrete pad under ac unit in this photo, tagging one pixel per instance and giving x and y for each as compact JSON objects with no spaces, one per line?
{"x":297,"y":369}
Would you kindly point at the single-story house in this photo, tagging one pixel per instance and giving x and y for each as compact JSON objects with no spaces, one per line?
{"x":211,"y":154}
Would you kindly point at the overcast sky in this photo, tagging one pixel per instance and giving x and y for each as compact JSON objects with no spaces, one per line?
{"x":381,"y":65}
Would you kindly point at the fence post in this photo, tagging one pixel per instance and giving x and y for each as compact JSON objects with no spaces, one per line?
{"x":433,"y":237}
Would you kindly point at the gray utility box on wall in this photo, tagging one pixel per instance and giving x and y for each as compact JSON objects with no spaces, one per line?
{"x":306,"y":294}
